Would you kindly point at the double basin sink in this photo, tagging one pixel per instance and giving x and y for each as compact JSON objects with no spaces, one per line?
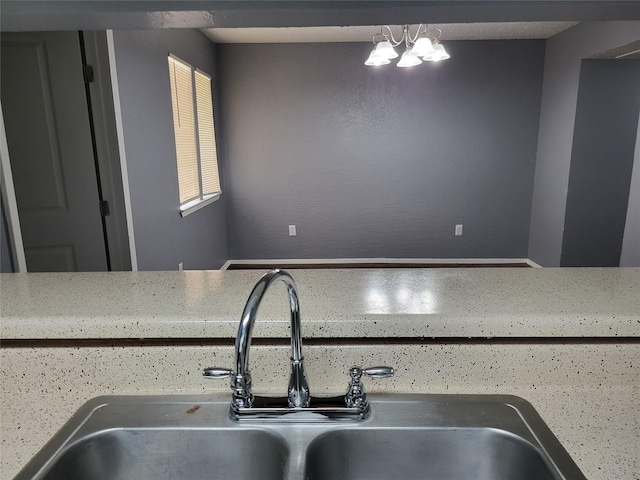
{"x":431,"y":437}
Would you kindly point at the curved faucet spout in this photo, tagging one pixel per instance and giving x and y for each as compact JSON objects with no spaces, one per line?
{"x":298,"y":390}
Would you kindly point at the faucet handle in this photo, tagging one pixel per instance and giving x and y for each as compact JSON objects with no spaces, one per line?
{"x":374,"y":372}
{"x":356,"y":396}
{"x":216,"y":373}
{"x":378,"y":372}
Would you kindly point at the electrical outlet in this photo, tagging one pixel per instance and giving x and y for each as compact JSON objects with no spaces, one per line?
{"x":292,"y":231}
{"x":180,"y":266}
{"x":458,"y":230}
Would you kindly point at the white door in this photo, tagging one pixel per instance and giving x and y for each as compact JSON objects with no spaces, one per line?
{"x":51,"y":151}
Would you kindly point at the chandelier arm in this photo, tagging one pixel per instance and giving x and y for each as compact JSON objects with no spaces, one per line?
{"x":418,"y":32}
{"x":379,"y":34}
{"x":390,"y":36}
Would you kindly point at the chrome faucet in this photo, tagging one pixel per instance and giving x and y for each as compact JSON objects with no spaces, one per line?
{"x":241,"y":382}
{"x":244,"y":404}
{"x":298,"y":391}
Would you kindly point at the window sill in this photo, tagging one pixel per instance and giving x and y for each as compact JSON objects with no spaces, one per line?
{"x":195,"y":205}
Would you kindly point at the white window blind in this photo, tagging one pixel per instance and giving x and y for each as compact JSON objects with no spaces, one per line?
{"x":194,"y":131}
{"x":206,"y":135}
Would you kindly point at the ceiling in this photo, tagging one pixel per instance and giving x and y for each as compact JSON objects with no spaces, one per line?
{"x":450,"y":31}
{"x":48,"y":15}
{"x":630,"y":51}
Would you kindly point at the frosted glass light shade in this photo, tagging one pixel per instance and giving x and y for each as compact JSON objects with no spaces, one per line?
{"x":439,"y":53}
{"x":422,"y":47}
{"x":375,"y":60}
{"x":385,"y":50}
{"x":408,"y":60}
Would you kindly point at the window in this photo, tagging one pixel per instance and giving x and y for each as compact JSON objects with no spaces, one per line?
{"x":198,"y":179}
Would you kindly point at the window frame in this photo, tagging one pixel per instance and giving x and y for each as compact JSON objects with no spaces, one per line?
{"x":195,"y":204}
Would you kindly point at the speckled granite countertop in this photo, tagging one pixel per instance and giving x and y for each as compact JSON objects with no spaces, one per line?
{"x":586,"y":391}
{"x":481,"y":302}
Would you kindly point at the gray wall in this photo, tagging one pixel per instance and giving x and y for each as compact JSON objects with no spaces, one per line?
{"x":564,"y":52}
{"x":6,"y":261}
{"x":380,"y":162}
{"x":630,"y":256}
{"x":601,"y":163}
{"x":163,"y":238}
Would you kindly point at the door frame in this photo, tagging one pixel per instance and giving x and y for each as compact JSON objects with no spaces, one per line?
{"x":14,"y":232}
{"x":114,"y":175}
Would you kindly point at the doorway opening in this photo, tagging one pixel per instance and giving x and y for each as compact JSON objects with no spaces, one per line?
{"x":62,"y":146}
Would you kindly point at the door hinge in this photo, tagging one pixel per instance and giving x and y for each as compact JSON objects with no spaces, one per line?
{"x":87,"y":73}
{"x":104,"y":208}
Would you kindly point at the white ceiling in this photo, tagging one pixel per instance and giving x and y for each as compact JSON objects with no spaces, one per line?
{"x":450,"y":31}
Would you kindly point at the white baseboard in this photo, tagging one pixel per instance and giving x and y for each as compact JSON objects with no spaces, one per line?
{"x":338,"y":261}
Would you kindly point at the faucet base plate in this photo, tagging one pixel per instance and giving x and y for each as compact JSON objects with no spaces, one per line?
{"x":320,"y":409}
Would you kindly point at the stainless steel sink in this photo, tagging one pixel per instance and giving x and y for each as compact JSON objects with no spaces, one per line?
{"x":442,"y":437}
{"x":443,"y":454}
{"x":166,"y":453}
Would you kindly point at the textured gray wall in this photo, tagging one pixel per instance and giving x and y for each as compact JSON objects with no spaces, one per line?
{"x":564,"y":53}
{"x":6,"y":261}
{"x":163,"y":238}
{"x":601,"y":163}
{"x":384,"y":162}
{"x":630,"y":256}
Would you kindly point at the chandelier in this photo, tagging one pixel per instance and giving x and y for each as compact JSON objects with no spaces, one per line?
{"x":418,"y":47}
